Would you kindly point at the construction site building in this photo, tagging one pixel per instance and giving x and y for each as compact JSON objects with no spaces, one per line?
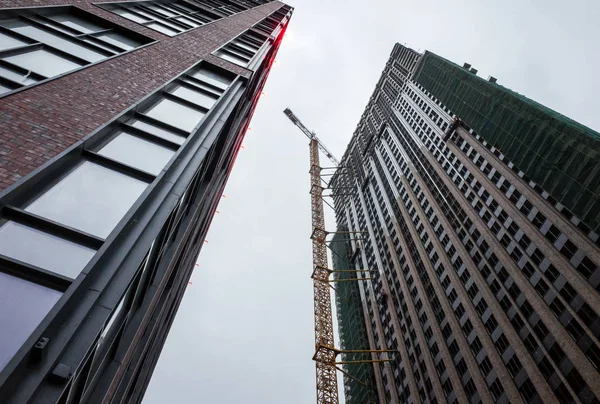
{"x":478,"y":209}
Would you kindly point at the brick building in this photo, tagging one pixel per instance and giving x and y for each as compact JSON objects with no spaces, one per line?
{"x":119,"y":125}
{"x":479,"y":210}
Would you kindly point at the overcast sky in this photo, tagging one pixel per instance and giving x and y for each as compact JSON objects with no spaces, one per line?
{"x":244,"y":332}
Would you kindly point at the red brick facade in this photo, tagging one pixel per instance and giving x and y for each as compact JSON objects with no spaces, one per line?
{"x":38,"y":123}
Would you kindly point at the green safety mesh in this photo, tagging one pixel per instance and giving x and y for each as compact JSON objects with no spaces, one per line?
{"x":351,"y":327}
{"x":559,"y":154}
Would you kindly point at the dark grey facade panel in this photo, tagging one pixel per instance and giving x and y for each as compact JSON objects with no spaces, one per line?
{"x":97,"y":323}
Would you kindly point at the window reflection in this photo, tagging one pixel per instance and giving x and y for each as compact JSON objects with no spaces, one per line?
{"x":20,"y":316}
{"x":91,"y":198}
{"x":44,"y":250}
{"x":56,"y":43}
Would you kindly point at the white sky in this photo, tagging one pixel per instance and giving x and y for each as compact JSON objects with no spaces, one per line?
{"x":244,"y":332}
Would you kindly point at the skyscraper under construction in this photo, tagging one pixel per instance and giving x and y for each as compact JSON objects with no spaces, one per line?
{"x":119,"y":124}
{"x":479,"y":210}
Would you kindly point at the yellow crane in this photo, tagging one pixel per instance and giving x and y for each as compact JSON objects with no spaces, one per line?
{"x":325,"y":351}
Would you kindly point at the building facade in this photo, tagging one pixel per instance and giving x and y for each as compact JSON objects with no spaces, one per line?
{"x":119,"y":125}
{"x":477,"y":208}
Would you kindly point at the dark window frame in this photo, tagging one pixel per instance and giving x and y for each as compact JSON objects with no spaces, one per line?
{"x":43,"y":13}
{"x":14,"y":198}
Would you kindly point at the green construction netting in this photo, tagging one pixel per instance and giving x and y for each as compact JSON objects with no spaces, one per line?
{"x":559,"y":154}
{"x":351,"y":327}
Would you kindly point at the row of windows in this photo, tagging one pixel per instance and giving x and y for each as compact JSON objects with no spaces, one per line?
{"x":38,"y":44}
{"x":439,"y":363}
{"x":576,"y":256}
{"x":54,"y":235}
{"x":518,"y":255}
{"x":451,"y":253}
{"x":386,"y":265}
{"x":525,"y":248}
{"x":505,"y":243}
{"x":412,"y":345}
{"x":513,"y":365}
{"x":105,"y":347}
{"x":407,"y":59}
{"x":582,"y":227}
{"x":242,"y":49}
{"x":400,"y":384}
{"x":491,"y":326}
{"x":545,"y":284}
{"x":44,"y":43}
{"x":169,"y":18}
{"x":410,"y":280}
{"x":370,"y":259}
{"x":451,"y":293}
{"x":173,"y":17}
{"x":424,"y":105}
{"x":460,"y":233}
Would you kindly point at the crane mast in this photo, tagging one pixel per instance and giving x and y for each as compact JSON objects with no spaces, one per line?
{"x":327,"y":391}
{"x":325,"y":353}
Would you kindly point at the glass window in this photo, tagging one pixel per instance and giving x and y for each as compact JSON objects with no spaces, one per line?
{"x":42,"y":62}
{"x":77,"y":23}
{"x":161,"y":10}
{"x":7,"y":42}
{"x":246,"y":46}
{"x":170,"y":19}
{"x":212,"y":78}
{"x":181,"y":8}
{"x":4,"y":89}
{"x":91,"y":198}
{"x":47,"y":37}
{"x":100,"y":44}
{"x":160,"y":132}
{"x":56,"y":35}
{"x":138,"y":153}
{"x":58,"y":27}
{"x":149,"y":16}
{"x":194,"y":96}
{"x":241,"y":53}
{"x":130,"y":16}
{"x":161,"y":28}
{"x":215,"y":92}
{"x":119,"y":40}
{"x":14,"y":76}
{"x":20,"y":316}
{"x":232,"y":58}
{"x":43,"y":250}
{"x":175,"y":114}
{"x":188,"y":21}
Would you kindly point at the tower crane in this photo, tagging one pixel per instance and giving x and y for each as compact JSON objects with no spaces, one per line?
{"x":327,"y":390}
{"x":325,"y":352}
{"x":311,"y":136}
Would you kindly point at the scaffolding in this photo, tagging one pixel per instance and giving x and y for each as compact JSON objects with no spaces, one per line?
{"x":359,"y":382}
{"x":559,"y":154}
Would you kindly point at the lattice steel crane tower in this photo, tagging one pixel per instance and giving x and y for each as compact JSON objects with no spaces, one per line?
{"x":325,"y":351}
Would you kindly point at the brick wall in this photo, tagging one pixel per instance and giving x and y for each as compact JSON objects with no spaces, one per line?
{"x":38,"y":123}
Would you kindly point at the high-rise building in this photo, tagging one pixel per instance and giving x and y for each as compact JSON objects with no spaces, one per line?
{"x":478,"y":209}
{"x":119,"y":124}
